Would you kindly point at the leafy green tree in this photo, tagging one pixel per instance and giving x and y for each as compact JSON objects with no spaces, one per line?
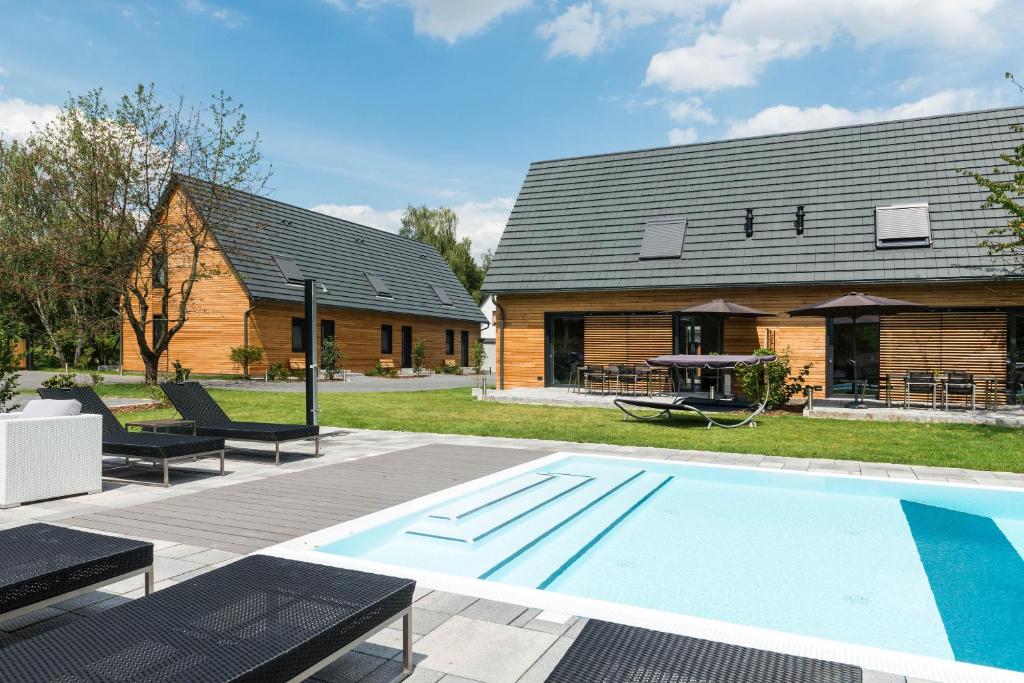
{"x":245,"y":356}
{"x":439,"y":229}
{"x":8,"y":367}
{"x":1005,"y":189}
{"x":479,"y":354}
{"x":419,"y":355}
{"x":330,"y":357}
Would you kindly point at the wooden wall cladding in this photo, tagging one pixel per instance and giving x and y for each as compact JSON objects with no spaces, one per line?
{"x":805,"y":337}
{"x":626,"y":338}
{"x":974,"y":342}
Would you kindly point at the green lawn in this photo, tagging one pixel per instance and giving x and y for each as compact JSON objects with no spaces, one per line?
{"x":454,"y":411}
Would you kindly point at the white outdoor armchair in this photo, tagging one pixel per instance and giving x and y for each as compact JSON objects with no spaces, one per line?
{"x":49,"y":457}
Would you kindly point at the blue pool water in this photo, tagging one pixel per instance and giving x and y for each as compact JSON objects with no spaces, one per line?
{"x":930,"y":570}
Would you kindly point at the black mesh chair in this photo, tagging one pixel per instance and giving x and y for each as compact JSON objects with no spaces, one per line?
{"x":612,"y":653}
{"x":960,"y":383}
{"x":259,"y":619}
{"x":194,"y":403}
{"x":920,"y":382}
{"x":155,"y":448}
{"x":593,"y":376}
{"x":42,"y":564}
{"x":628,"y":377}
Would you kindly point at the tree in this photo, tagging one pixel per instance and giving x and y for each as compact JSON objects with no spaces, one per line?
{"x":439,"y":229}
{"x":91,"y":211}
{"x":8,"y":364}
{"x":1006,"y":187}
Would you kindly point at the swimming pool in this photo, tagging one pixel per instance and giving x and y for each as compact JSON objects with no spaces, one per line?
{"x":931,"y":571}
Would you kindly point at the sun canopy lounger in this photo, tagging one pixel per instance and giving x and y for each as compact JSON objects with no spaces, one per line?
{"x":612,"y":653}
{"x":699,"y":405}
{"x":261,"y":619}
{"x":155,"y":448}
{"x":42,"y":564}
{"x":194,"y":403}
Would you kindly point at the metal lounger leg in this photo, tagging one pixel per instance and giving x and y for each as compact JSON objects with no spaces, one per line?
{"x":149,"y":580}
{"x":277,"y":453}
{"x":222,"y":461}
{"x":317,"y":447}
{"x":407,"y":643}
{"x":167,"y":478}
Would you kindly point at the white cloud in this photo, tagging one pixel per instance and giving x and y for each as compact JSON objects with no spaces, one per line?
{"x":682,"y":136}
{"x":230,"y":18}
{"x":691,"y":109}
{"x":483,"y":222}
{"x":448,"y":20}
{"x":785,"y":118}
{"x":3,"y":71}
{"x":576,"y":32}
{"x":753,"y":33}
{"x":19,"y":118}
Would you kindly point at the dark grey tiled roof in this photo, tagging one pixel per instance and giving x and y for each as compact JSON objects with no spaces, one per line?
{"x":336,"y":252}
{"x":578,"y":223}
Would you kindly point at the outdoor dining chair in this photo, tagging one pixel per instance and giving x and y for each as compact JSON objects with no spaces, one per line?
{"x":960,"y":383}
{"x":920,"y":381}
{"x":627,"y":379}
{"x":593,"y":376}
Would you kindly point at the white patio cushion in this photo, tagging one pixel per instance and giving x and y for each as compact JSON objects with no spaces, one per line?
{"x":48,"y":407}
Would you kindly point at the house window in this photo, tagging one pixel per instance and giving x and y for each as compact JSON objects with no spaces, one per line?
{"x":464,"y":351}
{"x":159,"y":328}
{"x":449,"y":342}
{"x":902,"y":225}
{"x":385,"y":339}
{"x":326,"y":330}
{"x":298,"y":340}
{"x":663,"y":239}
{"x":158,"y":266}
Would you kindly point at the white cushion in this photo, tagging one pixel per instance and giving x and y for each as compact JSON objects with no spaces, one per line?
{"x":48,"y":407}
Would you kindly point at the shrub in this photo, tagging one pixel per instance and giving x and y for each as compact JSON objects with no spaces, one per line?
{"x":8,"y":372}
{"x":181,"y":373}
{"x":62,"y":380}
{"x":96,"y":378}
{"x":419,"y":355}
{"x":479,"y":354}
{"x":379,"y":370}
{"x":448,"y":369}
{"x":783,"y":384}
{"x":330,"y":357}
{"x":277,"y":372}
{"x":246,"y":355}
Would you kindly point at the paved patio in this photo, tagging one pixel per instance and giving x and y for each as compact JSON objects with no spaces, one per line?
{"x":204,"y":521}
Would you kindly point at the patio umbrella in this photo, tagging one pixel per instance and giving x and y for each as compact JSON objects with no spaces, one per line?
{"x":856,"y":305}
{"x":726,"y":309}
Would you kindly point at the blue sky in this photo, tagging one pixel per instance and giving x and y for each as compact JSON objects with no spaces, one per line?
{"x":366,"y":106}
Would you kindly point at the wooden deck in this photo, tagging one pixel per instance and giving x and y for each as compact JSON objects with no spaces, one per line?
{"x":248,"y":516}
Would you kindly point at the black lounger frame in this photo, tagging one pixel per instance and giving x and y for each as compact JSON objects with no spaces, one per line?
{"x":91,"y":403}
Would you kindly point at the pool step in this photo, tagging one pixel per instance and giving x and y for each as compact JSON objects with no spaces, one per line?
{"x":477,"y":517}
{"x":550,"y":555}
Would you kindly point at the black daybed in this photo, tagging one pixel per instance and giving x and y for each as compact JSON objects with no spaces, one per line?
{"x":194,"y":403}
{"x":42,"y":564}
{"x":155,"y":448}
{"x":612,"y":653}
{"x":261,"y":619}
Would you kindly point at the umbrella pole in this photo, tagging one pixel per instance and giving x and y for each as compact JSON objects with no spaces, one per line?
{"x":857,"y":402}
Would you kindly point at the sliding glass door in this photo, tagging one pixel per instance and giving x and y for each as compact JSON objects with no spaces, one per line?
{"x":696,"y":335}
{"x":1015,"y":359}
{"x":564,"y":347}
{"x":842,"y":361}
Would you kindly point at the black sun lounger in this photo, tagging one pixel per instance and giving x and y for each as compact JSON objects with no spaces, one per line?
{"x":42,"y":564}
{"x":194,"y":403}
{"x":155,"y":448}
{"x":611,"y":653}
{"x":687,"y":404}
{"x":261,"y":619}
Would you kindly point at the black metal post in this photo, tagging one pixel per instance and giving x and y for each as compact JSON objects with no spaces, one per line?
{"x":309,"y":341}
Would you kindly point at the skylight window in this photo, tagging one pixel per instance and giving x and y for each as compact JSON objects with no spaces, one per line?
{"x":902,"y":225}
{"x":663,"y":239}
{"x":379,"y":286}
{"x":442,"y":296}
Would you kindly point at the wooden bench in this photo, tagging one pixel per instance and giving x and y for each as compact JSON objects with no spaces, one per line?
{"x":450,"y":364}
{"x":387,"y":363}
{"x":297,"y":365}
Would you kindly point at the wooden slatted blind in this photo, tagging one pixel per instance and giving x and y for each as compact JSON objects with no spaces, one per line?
{"x":973,"y":342}
{"x":625,"y":338}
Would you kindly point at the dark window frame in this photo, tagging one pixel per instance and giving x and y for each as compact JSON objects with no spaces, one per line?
{"x":327,"y":329}
{"x":299,"y":324}
{"x":162,"y":327}
{"x":449,"y":342}
{"x":158,"y":269}
{"x":464,"y":348}
{"x":387,"y":339}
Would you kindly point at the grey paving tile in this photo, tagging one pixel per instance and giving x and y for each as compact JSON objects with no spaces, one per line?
{"x":879,"y":677}
{"x":179,"y":550}
{"x":423,"y":620}
{"x":574,"y":630}
{"x":213,"y":556}
{"x":538,"y":673}
{"x":500,"y":654}
{"x":551,"y":627}
{"x":525,"y":618}
{"x":352,"y":668}
{"x":386,"y":644}
{"x":449,"y":603}
{"x":491,"y":610}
